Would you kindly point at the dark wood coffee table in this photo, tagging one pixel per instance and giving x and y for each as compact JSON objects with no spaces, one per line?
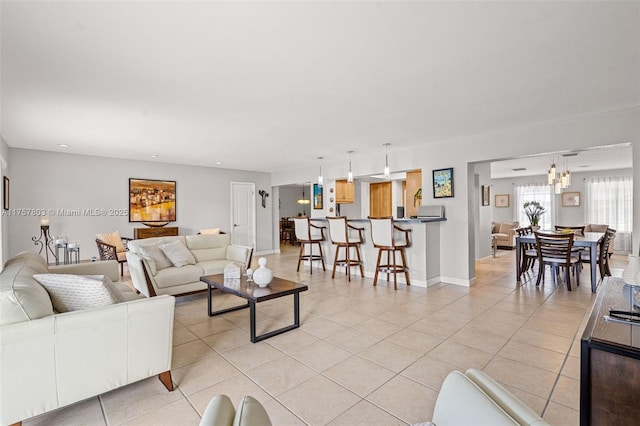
{"x":254,"y":294}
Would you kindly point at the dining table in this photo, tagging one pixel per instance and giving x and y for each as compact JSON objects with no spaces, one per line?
{"x":589,"y":240}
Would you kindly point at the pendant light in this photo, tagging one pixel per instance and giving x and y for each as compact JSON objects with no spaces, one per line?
{"x":387,"y":173}
{"x":551,"y":174}
{"x":320,"y":178}
{"x":350,"y":172}
{"x":303,"y":200}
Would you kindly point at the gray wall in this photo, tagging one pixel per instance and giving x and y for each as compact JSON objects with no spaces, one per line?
{"x":46,"y":181}
{"x":288,"y":197}
{"x":564,"y":215}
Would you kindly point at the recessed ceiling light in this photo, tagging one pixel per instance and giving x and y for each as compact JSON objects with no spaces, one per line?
{"x":584,"y":166}
{"x":64,"y":145}
{"x":218,"y":162}
{"x":154,"y":156}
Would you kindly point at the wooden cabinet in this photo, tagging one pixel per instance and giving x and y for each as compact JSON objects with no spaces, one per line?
{"x":610,"y":362}
{"x":345,"y":192}
{"x":141,"y":233}
{"x":380,"y":199}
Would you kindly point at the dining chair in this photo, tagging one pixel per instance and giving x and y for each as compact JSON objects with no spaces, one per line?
{"x":339,"y":234}
{"x":602,"y":253}
{"x":528,"y":252}
{"x":578,"y":230}
{"x":286,"y":231}
{"x":554,"y":250}
{"x":309,"y":235}
{"x":382,"y":238}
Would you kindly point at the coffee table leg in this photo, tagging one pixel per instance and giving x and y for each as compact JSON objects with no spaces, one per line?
{"x":296,"y":321}
{"x":221,"y":311}
{"x":252,"y":316}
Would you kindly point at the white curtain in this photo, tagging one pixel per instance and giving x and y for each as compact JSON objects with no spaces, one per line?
{"x":609,"y":201}
{"x":538,"y":191}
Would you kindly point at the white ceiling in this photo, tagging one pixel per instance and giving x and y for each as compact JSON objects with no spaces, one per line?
{"x":605,"y":158}
{"x":268,"y":86}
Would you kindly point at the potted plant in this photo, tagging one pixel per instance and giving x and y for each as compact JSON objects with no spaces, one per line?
{"x":533,"y":210}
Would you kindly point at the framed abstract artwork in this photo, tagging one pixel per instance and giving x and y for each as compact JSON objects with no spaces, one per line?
{"x":317,"y":197}
{"x":443,"y":183}
{"x":152,"y":200}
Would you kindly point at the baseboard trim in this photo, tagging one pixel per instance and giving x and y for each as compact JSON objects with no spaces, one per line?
{"x":458,"y":281}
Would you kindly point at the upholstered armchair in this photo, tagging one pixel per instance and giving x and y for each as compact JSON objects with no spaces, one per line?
{"x":113,"y":247}
{"x":505,"y":234}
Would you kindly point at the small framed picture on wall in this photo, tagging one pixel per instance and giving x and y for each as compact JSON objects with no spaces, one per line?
{"x":443,"y":183}
{"x":502,"y":200}
{"x":486,"y":198}
{"x":570,"y":199}
{"x":5,"y":193}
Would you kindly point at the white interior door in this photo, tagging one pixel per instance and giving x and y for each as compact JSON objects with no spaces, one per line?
{"x":243,"y":214}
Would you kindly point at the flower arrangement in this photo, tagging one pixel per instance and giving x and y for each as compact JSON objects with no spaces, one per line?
{"x":533,"y":210}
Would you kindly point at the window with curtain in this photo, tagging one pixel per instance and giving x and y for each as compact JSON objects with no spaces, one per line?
{"x":609,"y":201}
{"x":540,"y":192}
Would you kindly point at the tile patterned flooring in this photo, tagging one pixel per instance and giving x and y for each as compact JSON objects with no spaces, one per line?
{"x":364,"y":355}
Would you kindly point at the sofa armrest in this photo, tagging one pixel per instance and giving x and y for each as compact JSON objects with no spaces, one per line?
{"x":238,"y":253}
{"x":459,"y":391}
{"x":511,"y":237}
{"x":141,"y":274}
{"x":505,"y":399}
{"x":108,"y":268}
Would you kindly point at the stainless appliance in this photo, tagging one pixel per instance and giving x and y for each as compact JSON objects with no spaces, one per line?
{"x":430,"y":212}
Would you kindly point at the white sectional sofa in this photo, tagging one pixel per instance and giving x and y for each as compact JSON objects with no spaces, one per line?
{"x":153,"y":274}
{"x":50,"y":359}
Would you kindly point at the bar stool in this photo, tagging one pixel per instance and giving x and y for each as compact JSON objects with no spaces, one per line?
{"x":339,"y":234}
{"x":382,"y":230}
{"x":307,"y":235}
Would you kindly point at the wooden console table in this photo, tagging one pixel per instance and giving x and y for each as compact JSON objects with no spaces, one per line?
{"x":610,"y":362}
{"x":140,"y":233}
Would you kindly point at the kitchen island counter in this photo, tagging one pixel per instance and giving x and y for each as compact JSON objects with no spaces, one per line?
{"x":423,"y":256}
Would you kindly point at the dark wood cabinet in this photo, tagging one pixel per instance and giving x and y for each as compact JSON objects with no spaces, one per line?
{"x":140,"y":233}
{"x":610,"y":362}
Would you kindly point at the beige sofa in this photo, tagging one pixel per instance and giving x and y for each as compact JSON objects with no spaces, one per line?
{"x":474,"y":398}
{"x":505,"y":234}
{"x":211,"y":253}
{"x":50,"y":360}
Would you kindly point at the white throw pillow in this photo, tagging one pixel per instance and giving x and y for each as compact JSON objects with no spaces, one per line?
{"x":178,"y":254}
{"x":153,"y":251}
{"x":210,"y":231}
{"x":76,"y":292}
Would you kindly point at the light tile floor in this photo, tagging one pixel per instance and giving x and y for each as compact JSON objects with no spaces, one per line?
{"x":364,"y":355}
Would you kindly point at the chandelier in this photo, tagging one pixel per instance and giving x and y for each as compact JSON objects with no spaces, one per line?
{"x":560,"y":179}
